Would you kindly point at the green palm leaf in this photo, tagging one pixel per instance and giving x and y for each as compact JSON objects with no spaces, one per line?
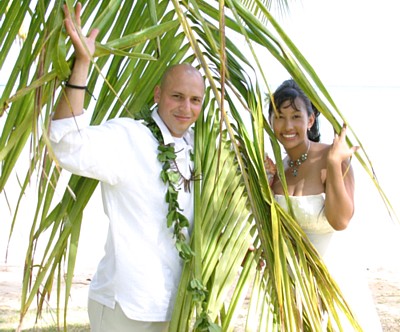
{"x":234,"y":206}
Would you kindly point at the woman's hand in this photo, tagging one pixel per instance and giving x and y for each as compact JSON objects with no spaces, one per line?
{"x":270,"y":168}
{"x":339,"y":150}
{"x":339,"y":188}
{"x":84,"y":46}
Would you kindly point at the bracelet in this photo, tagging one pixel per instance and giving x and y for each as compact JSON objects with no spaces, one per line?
{"x":78,"y":87}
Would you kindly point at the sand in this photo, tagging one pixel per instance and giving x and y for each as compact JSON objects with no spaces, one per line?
{"x":384,"y":284}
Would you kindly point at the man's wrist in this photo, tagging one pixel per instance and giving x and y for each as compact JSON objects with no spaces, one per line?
{"x":67,"y":84}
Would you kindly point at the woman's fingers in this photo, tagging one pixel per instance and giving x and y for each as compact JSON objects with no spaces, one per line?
{"x":354,"y":149}
{"x":343,"y":132}
{"x":340,"y":149}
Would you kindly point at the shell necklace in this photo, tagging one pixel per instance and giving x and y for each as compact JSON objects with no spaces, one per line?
{"x":295,"y":164}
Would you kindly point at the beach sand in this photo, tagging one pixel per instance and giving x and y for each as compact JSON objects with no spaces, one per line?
{"x":384,"y":284}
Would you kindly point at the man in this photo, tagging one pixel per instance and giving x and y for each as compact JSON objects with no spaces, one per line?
{"x":135,"y":285}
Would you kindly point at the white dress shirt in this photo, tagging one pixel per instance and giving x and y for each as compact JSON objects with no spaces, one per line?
{"x":141,"y":267}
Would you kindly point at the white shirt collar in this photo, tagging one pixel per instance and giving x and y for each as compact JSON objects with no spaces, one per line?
{"x":167,"y":136}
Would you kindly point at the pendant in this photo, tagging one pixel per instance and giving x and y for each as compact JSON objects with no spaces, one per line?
{"x":297,"y":163}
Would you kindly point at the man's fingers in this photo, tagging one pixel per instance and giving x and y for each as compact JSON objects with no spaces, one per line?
{"x":66,"y":12}
{"x":78,"y":9}
{"x":93,"y":34}
{"x":69,"y":27}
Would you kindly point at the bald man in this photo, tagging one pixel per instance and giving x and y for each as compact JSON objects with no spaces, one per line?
{"x":135,"y":285}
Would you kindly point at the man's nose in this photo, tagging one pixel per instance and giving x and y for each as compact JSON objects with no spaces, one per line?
{"x":185,"y":105}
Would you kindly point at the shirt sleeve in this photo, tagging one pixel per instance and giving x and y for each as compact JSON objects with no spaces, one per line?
{"x":60,"y":128}
{"x":96,"y":152}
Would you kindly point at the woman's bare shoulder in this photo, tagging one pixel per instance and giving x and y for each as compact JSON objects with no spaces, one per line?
{"x":319,"y":152}
{"x":321,"y":147}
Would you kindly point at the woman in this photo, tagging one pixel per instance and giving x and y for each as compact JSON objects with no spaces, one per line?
{"x":320,"y":184}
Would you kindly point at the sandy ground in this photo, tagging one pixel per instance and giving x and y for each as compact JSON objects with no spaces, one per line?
{"x":384,"y":283}
{"x":385,"y":286}
{"x":10,"y":292}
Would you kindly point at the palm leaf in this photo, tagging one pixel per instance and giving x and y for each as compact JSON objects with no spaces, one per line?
{"x":234,"y":206}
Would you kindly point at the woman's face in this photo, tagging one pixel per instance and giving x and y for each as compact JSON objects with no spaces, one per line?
{"x":290,"y":124}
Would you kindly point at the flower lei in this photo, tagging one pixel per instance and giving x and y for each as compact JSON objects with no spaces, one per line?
{"x":171,"y":177}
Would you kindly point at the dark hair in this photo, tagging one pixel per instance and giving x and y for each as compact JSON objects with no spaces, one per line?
{"x":289,"y":90}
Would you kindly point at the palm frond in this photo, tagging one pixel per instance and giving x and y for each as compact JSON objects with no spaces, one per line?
{"x":234,"y":206}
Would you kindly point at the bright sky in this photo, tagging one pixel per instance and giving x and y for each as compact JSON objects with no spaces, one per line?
{"x":353,"y":46}
{"x":349,"y":42}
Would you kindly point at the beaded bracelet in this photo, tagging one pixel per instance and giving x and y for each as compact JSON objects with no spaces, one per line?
{"x":79,"y":87}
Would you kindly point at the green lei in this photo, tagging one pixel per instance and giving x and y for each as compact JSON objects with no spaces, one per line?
{"x":171,"y":177}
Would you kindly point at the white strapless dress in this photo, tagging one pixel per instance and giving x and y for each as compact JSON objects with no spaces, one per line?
{"x":336,"y":250}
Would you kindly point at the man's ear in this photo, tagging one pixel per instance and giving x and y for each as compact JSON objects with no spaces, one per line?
{"x":157,"y":94}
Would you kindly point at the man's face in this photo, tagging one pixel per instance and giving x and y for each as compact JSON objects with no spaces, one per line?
{"x":180,"y":98}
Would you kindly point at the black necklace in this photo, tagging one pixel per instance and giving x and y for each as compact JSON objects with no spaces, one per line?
{"x":295,"y":164}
